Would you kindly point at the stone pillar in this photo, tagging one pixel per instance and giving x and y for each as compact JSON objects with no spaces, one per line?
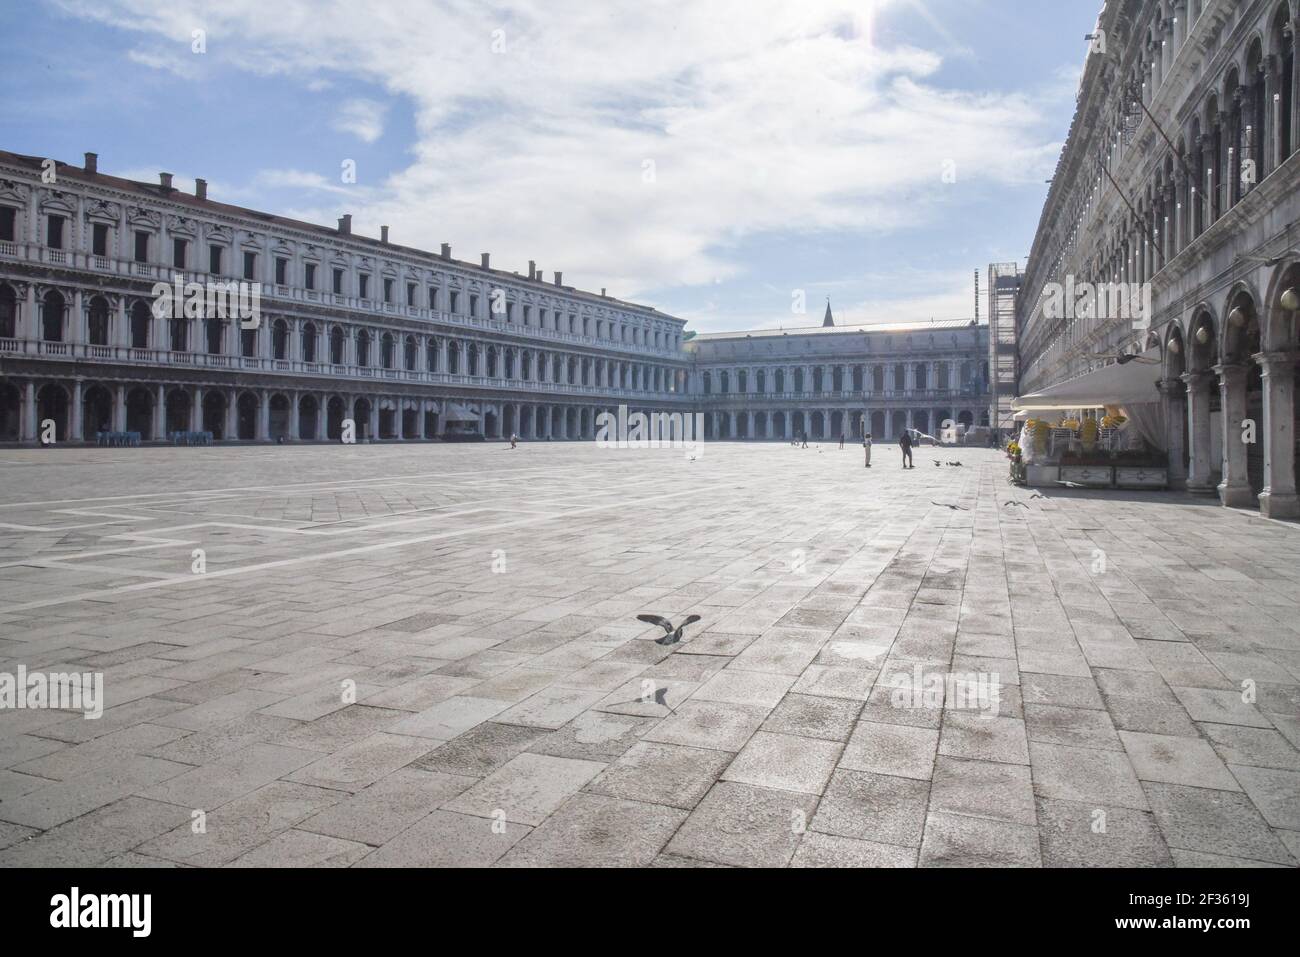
{"x":119,"y":408}
{"x":263,"y":416}
{"x":232,"y":415}
{"x":1234,"y":489}
{"x":160,"y":414}
{"x":196,"y":410}
{"x":1200,"y":467}
{"x":1278,"y":500}
{"x":749,"y":425}
{"x":295,"y":413}
{"x":322,"y":418}
{"x":372,"y":427}
{"x":75,"y":428}
{"x":1175,"y":416}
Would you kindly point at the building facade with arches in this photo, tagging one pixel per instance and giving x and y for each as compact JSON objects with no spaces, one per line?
{"x":1181,"y":177}
{"x":838,"y":381}
{"x":406,"y":344}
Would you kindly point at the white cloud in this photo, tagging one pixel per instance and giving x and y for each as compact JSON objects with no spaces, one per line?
{"x":362,"y":118}
{"x":760,"y":116}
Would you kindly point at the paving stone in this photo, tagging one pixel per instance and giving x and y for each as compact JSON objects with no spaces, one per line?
{"x":666,"y":774}
{"x":594,"y":736}
{"x":785,"y":762}
{"x":230,"y":776}
{"x":892,"y":749}
{"x":1103,"y":778}
{"x":1220,"y":707}
{"x":874,"y":807}
{"x":1080,"y":835}
{"x":527,"y":789}
{"x":93,"y":838}
{"x":732,"y":686}
{"x":303,"y":849}
{"x":708,"y":724}
{"x":829,"y":851}
{"x":1210,"y":821}
{"x":446,"y":839}
{"x":983,"y":789}
{"x":1276,"y":793}
{"x":1254,"y":747}
{"x":378,"y":813}
{"x":744,"y":826}
{"x":953,"y":840}
{"x":1079,"y":727}
{"x":592,"y":830}
{"x":808,"y":716}
{"x":969,"y":735}
{"x":1173,"y":760}
{"x":361,"y":764}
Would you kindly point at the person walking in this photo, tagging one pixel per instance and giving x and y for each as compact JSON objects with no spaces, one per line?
{"x":514,"y":440}
{"x":866,"y":444}
{"x":905,"y":443}
{"x":805,"y":440}
{"x":841,"y":441}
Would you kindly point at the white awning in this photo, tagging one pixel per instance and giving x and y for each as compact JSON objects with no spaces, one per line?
{"x":458,"y":413}
{"x":1114,"y":385}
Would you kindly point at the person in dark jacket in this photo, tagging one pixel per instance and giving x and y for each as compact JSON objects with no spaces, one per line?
{"x":905,"y":443}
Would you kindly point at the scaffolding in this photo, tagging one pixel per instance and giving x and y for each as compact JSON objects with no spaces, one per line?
{"x":1004,"y":372}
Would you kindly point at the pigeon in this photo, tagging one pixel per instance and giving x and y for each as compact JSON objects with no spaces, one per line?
{"x":955,"y":508}
{"x":671,"y":635}
{"x":1015,"y":505}
{"x":955,"y":465}
{"x":938,"y":465}
{"x":1037,"y":495}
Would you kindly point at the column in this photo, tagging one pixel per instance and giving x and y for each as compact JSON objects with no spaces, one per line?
{"x":75,"y":430}
{"x":749,"y":425}
{"x":295,"y":416}
{"x":1200,"y":466}
{"x":29,"y":430}
{"x":1171,"y":391}
{"x":119,"y":408}
{"x":232,"y":415}
{"x":1234,"y":489}
{"x":372,"y":429}
{"x":1278,"y":500}
{"x":160,"y":414}
{"x":263,"y":416}
{"x":322,"y":418}
{"x":196,"y":411}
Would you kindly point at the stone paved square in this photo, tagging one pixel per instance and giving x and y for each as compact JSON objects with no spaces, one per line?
{"x":430,"y":656}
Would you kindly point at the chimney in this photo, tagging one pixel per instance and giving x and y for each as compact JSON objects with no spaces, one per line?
{"x":559,"y":279}
{"x":165,"y":179}
{"x":92,"y":163}
{"x":532,"y":269}
{"x":602,"y":293}
{"x":487,"y":260}
{"x":201,"y":189}
{"x":345,"y":224}
{"x":383,"y":234}
{"x":446,"y":250}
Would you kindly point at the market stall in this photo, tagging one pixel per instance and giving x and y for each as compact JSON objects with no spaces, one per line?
{"x":1104,"y":430}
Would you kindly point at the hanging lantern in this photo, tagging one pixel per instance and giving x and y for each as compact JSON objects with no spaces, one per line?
{"x":1238,"y":317}
{"x":1175,"y":347}
{"x":1291,"y":300}
{"x":1203,"y":335}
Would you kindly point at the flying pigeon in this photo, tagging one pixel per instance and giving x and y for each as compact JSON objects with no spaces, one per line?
{"x":1015,"y":505}
{"x":671,"y":635}
{"x":955,"y":508}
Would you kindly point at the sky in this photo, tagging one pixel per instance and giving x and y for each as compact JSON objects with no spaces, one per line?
{"x":734,"y":163}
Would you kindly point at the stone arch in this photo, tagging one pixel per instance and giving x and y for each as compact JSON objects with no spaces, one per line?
{"x":96,"y":411}
{"x":140,"y":411}
{"x":1280,"y":323}
{"x":247,"y":409}
{"x":213,"y":414}
{"x":10,"y":412}
{"x":53,"y":311}
{"x":52,"y":405}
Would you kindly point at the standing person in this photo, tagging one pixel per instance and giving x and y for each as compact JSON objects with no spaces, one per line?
{"x":841,"y":441}
{"x":905,"y":443}
{"x":514,"y":440}
{"x":866,"y":443}
{"x":805,"y":440}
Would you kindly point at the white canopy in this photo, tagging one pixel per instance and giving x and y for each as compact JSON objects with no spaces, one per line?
{"x":1114,"y":385}
{"x":458,"y":413}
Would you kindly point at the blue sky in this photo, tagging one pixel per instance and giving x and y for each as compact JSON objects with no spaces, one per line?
{"x":721,"y":160}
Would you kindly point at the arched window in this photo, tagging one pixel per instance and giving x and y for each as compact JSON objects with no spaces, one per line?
{"x":179,"y":333}
{"x":336,"y":345}
{"x":52,"y":316}
{"x":140,"y":317}
{"x":387,"y":350}
{"x":309,"y":342}
{"x":363,"y":348}
{"x":97,"y":321}
{"x":412,"y":353}
{"x":8,"y":313}
{"x":431,"y":355}
{"x":453,"y":358}
{"x":280,"y":339}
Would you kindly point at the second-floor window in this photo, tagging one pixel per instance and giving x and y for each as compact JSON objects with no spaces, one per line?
{"x":338,"y":282}
{"x":214,"y":260}
{"x":141,"y":246}
{"x":8,"y":224}
{"x":99,"y":239}
{"x":250,"y":266}
{"x":281,"y":271}
{"x":363,"y":286}
{"x":309,"y":275}
{"x":178,"y":253}
{"x":455,"y":303}
{"x":54,"y":232}
{"x":410,"y":294}
{"x":388,"y":290}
